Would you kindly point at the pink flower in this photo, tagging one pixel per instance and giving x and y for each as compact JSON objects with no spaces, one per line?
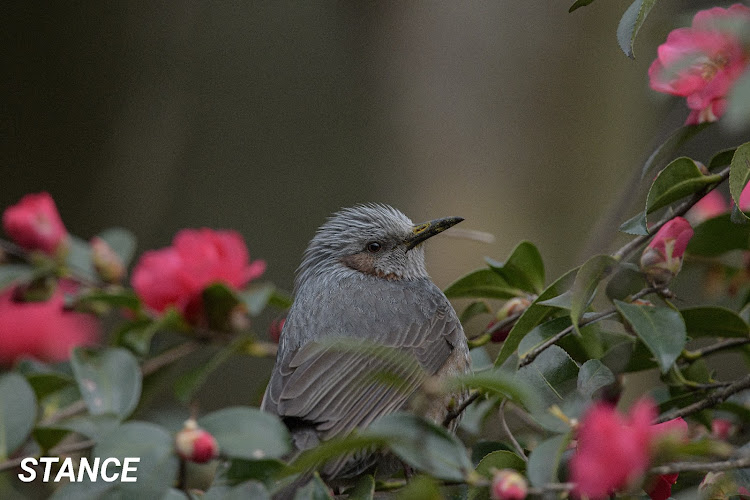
{"x":614,"y":452}
{"x":43,"y":330}
{"x":660,"y":487}
{"x":35,"y":224}
{"x":662,"y":258}
{"x":745,"y":198}
{"x":176,"y":275}
{"x":508,"y":484}
{"x":701,"y":63}
{"x":721,"y":428}
{"x":708,"y":207}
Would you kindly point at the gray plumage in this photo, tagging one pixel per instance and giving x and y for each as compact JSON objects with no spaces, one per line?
{"x":362,"y":278}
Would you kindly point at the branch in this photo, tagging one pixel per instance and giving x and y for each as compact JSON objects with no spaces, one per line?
{"x":719,"y":346}
{"x":57,"y":450}
{"x":516,"y":445}
{"x":454,"y":414}
{"x":713,"y":399}
{"x":673,"y":468}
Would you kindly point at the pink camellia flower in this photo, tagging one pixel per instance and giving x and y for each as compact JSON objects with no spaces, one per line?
{"x":176,"y":275}
{"x":614,"y":452}
{"x":701,"y":63}
{"x":721,"y":428}
{"x":708,"y":207}
{"x":195,"y":444}
{"x":35,"y":224}
{"x":42,"y":330}
{"x":662,"y":258}
{"x":745,"y":199}
{"x":508,"y":484}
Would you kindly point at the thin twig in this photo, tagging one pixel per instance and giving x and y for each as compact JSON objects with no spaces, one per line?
{"x":713,"y":399}
{"x":719,"y":346}
{"x":58,"y":450}
{"x":516,"y":445}
{"x":673,"y":468}
{"x":452,"y":415}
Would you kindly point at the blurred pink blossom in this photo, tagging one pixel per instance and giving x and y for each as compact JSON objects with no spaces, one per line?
{"x":701,"y":63}
{"x":662,"y":258}
{"x":708,"y":207}
{"x":35,"y":224}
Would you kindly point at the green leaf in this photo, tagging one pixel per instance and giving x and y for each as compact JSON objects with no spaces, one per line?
{"x":122,"y":241}
{"x":495,"y":383}
{"x":118,"y":298}
{"x":247,"y":490}
{"x":420,"y":488}
{"x":500,"y":459}
{"x":17,"y":412}
{"x":739,"y":173}
{"x":137,"y":335}
{"x":363,"y":490}
{"x":265,"y":471}
{"x":592,"y":376}
{"x":257,"y":297}
{"x":562,"y":301}
{"x":666,"y":150}
{"x":578,"y":4}
{"x":545,"y":460}
{"x":713,"y":322}
{"x":636,"y":225}
{"x":79,"y":259}
{"x":316,"y":489}
{"x":680,"y":178}
{"x":280,"y":299}
{"x":721,"y":159}
{"x":719,"y":235}
{"x":532,"y":316}
{"x":95,"y":427}
{"x":218,"y":303}
{"x":157,"y":468}
{"x":248,"y":433}
{"x":484,"y":283}
{"x":474,"y":309}
{"x":630,"y":23}
{"x":335,"y":447}
{"x":737,"y":116}
{"x":109,"y":380}
{"x":660,"y":328}
{"x":587,"y":281}
{"x":14,"y":273}
{"x":189,"y":382}
{"x":524,"y":268}
{"x":45,"y":384}
{"x":424,"y":445}
{"x":552,"y":375}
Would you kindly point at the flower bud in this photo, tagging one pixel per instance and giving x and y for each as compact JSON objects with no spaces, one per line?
{"x":107,"y":263}
{"x":513,"y":307}
{"x":508,"y":484}
{"x":721,"y":428}
{"x":274,"y":331}
{"x":35,"y":224}
{"x":662,"y":258}
{"x":195,"y":444}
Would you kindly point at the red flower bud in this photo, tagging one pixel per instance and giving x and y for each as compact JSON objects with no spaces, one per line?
{"x":195,"y":444}
{"x":35,"y":224}
{"x":662,"y":258}
{"x":513,"y":307}
{"x":508,"y":484}
{"x":106,"y":262}
{"x":274,"y":331}
{"x":721,"y":428}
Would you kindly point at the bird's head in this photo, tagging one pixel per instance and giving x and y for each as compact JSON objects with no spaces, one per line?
{"x":374,"y":239}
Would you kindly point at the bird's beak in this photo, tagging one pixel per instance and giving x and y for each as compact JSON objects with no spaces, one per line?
{"x":421,"y":232}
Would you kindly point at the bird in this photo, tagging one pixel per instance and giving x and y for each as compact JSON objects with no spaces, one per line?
{"x":363,"y":281}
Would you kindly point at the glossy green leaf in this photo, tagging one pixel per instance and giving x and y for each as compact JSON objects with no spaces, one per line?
{"x":739,"y":173}
{"x":544,"y":461}
{"x":78,"y":259}
{"x":592,"y":376}
{"x":713,"y":322}
{"x":588,"y":344}
{"x":484,"y":283}
{"x":424,"y":445}
{"x":335,"y":447}
{"x":420,"y":487}
{"x":680,"y":178}
{"x":500,"y":459}
{"x":496,"y":383}
{"x":524,"y":268}
{"x":219,"y":302}
{"x":636,"y":225}
{"x":721,"y":159}
{"x":474,"y":309}
{"x":578,"y":4}
{"x":533,"y":315}
{"x":256,"y":297}
{"x":552,"y":375}
{"x":17,"y":412}
{"x":719,"y":235}
{"x":562,"y":301}
{"x":266,"y":470}
{"x":122,"y":241}
{"x":243,"y":491}
{"x":737,"y":116}
{"x":630,"y":23}
{"x":154,"y":446}
{"x":47,"y":383}
{"x":119,"y":298}
{"x":587,"y":281}
{"x":109,"y":380}
{"x":363,"y":490}
{"x":625,"y":282}
{"x":95,"y":427}
{"x":315,"y":489}
{"x":14,"y":273}
{"x":248,"y":433}
{"x":660,"y":328}
{"x":666,"y":151}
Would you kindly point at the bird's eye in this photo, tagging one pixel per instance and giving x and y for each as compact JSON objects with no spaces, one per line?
{"x":374,"y":247}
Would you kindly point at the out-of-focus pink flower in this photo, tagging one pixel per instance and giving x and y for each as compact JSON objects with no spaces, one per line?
{"x":745,"y":199}
{"x":708,"y":207}
{"x":35,"y":224}
{"x":614,"y":451}
{"x":701,"y":63}
{"x":662,"y":258}
{"x":508,"y":484}
{"x":176,"y":275}
{"x":721,"y":428}
{"x":195,"y":444}
{"x":660,"y":487}
{"x":42,"y":330}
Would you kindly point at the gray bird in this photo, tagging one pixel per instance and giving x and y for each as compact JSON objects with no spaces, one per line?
{"x":363,"y":279}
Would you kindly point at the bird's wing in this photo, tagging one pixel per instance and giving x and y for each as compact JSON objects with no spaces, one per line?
{"x":338,"y":389}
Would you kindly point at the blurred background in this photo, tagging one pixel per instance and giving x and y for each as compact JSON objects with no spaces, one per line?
{"x":266,"y":117}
